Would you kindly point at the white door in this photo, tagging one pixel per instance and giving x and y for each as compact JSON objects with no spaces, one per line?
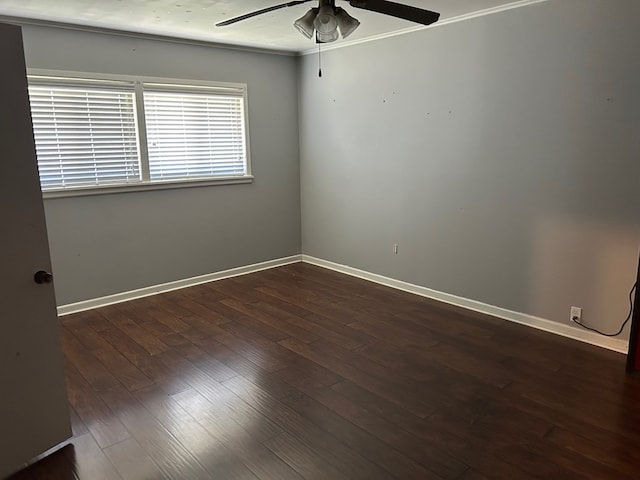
{"x":34,"y":413}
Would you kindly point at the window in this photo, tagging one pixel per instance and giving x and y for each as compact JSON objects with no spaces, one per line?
{"x":193,"y":134}
{"x":96,"y":135}
{"x":85,"y":135}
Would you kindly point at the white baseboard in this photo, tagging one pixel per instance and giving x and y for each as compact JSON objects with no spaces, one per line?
{"x":521,"y":318}
{"x":614,"y":344}
{"x":167,"y":287}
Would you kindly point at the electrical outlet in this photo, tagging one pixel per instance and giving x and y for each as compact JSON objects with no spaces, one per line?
{"x":576,"y":314}
{"x":395,"y":248}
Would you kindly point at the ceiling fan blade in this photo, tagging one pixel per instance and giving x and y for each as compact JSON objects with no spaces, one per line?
{"x":398,"y":10}
{"x":260,"y":12}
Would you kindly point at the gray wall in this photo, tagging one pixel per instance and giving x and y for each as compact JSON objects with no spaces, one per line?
{"x":107,"y":244}
{"x":502,"y":154}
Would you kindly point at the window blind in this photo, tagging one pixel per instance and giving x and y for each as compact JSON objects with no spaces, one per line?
{"x":85,"y":136}
{"x":194,"y":134}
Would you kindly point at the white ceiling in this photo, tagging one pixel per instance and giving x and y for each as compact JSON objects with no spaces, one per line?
{"x":195,"y":19}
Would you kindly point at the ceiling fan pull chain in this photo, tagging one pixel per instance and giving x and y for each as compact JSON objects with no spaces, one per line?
{"x":319,"y":61}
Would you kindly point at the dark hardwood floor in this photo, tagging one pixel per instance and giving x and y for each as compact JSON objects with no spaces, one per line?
{"x":300,"y":372}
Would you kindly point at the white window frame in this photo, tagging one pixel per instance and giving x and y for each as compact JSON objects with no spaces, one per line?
{"x":180,"y":85}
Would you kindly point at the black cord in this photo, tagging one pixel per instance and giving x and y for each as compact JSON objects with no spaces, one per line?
{"x":623,"y":324}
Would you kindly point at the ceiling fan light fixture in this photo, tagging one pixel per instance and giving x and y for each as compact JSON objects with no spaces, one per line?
{"x":327,"y":37}
{"x":325,"y":22}
{"x":305,"y":23}
{"x":346,"y":23}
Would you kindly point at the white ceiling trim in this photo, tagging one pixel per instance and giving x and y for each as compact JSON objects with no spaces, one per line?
{"x":21,"y":21}
{"x":441,"y":23}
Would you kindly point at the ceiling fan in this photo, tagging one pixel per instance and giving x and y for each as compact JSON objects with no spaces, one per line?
{"x":326,"y":19}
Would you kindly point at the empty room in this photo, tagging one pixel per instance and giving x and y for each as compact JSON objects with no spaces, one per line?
{"x":320,"y":239}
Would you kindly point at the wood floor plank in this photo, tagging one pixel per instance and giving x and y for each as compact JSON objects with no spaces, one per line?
{"x":371,"y":409}
{"x":154,"y":308}
{"x":302,"y":459}
{"x":271,"y":323}
{"x":118,"y":316}
{"x":211,"y":453}
{"x":224,"y":403}
{"x":101,"y":421}
{"x":85,"y":361}
{"x":89,"y":459}
{"x":199,"y":311}
{"x":277,"y":355}
{"x":264,"y":355}
{"x":511,"y":405}
{"x":395,"y":463}
{"x":166,"y":452}
{"x":259,"y":296}
{"x":115,"y":363}
{"x":621,"y":457}
{"x":132,"y":462}
{"x":232,"y":359}
{"x":157,"y":329}
{"x":304,"y":374}
{"x":135,"y":353}
{"x":428,"y":454}
{"x":168,"y":302}
{"x":595,"y":414}
{"x":260,"y":460}
{"x":472,"y":474}
{"x":294,"y":425}
{"x":389,"y":388}
{"x":90,"y":318}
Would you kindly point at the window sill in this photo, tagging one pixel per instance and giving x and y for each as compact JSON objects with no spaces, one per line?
{"x":139,"y":187}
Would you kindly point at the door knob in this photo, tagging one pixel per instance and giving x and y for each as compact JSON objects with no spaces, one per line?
{"x":42,"y":277}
